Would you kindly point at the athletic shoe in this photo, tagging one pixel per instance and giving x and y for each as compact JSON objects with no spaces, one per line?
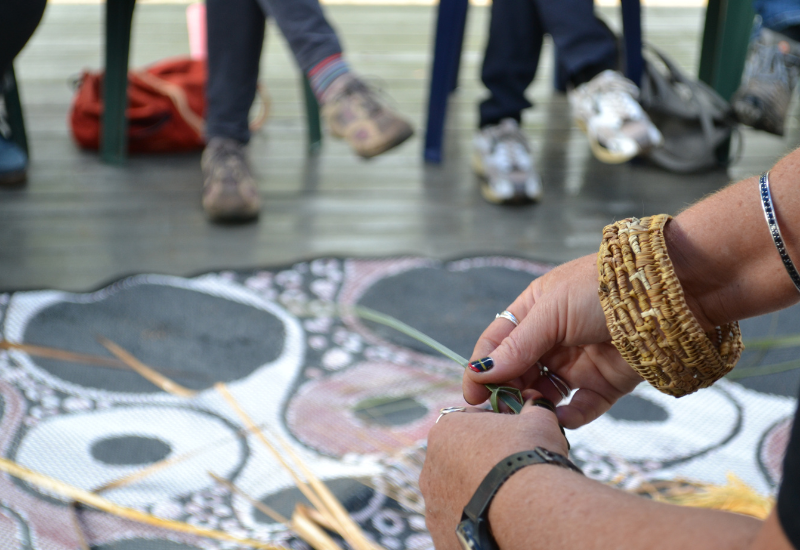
{"x":768,"y":81}
{"x":229,"y":191}
{"x":502,"y":159}
{"x":355,"y":113}
{"x":607,"y":110}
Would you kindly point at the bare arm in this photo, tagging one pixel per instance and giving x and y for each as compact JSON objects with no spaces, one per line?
{"x":552,"y":508}
{"x":723,"y":255}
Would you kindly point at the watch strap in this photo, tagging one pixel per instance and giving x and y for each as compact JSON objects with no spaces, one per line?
{"x":479,"y":503}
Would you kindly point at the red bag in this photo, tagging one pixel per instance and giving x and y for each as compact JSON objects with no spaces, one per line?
{"x":166,"y":105}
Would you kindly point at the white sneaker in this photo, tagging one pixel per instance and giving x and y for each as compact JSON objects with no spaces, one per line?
{"x":607,"y":110}
{"x":502,"y":159}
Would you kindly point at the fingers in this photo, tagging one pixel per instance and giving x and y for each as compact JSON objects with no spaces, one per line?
{"x":515,"y":351}
{"x":584,"y":407}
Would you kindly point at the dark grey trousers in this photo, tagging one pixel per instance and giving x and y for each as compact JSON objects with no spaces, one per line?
{"x":235,"y":38}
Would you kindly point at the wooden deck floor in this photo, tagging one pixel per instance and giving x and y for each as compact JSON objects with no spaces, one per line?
{"x":79,"y":223}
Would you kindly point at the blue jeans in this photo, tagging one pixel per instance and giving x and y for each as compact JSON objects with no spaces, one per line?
{"x":235,"y":38}
{"x":778,"y":14}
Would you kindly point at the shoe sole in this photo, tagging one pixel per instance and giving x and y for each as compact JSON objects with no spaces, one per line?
{"x":232,"y":217}
{"x":13,"y":179}
{"x":488,"y":194}
{"x":601,"y":153}
{"x":400,"y":138}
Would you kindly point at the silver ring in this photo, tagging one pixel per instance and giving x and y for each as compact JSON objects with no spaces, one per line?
{"x":560,"y":384}
{"x":507,"y":315}
{"x":448,"y":410}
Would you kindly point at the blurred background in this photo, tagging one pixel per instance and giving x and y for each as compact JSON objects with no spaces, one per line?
{"x":79,"y":223}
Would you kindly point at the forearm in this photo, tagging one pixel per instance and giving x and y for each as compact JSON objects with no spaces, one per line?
{"x":553,"y":508}
{"x":724,"y":254}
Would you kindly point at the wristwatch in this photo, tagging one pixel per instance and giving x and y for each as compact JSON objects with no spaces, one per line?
{"x":473,"y":531}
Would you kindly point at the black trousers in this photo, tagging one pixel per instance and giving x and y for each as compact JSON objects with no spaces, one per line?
{"x":18,"y":20}
{"x":585,"y":47}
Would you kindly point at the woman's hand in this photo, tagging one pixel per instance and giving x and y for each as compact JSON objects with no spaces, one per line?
{"x":562,"y":326}
{"x":463,"y":447}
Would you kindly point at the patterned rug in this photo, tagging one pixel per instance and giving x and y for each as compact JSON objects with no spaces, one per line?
{"x":353,"y":399}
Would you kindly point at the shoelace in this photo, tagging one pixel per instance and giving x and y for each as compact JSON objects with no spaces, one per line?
{"x":616,"y":95}
{"x":368,"y":96}
{"x":509,"y":149}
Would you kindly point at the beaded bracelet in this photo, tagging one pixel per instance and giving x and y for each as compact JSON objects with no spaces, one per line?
{"x":647,"y":316}
{"x":775,"y":231}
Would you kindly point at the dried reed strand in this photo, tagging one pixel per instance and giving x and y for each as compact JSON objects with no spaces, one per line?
{"x":255,"y":430}
{"x":311,"y":532}
{"x":321,"y":497}
{"x":146,"y":372}
{"x":95,"y":501}
{"x":266,"y":510}
{"x":76,"y":523}
{"x":299,"y":523}
{"x":84,"y":358}
{"x":348,"y":528}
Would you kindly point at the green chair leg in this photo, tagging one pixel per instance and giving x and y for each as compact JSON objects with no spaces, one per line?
{"x":725,"y":39}
{"x":16,"y":120}
{"x":114,"y":127}
{"x":726,"y":35}
{"x":312,"y":117}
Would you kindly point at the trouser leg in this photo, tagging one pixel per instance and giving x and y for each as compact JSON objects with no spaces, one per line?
{"x":586,"y":46}
{"x":235,"y":37}
{"x":510,"y":60}
{"x":303,"y":24}
{"x":18,"y":21}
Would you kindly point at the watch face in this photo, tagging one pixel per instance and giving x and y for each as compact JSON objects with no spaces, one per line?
{"x":468,"y":536}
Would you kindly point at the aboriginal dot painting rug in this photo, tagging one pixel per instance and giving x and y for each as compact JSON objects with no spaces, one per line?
{"x":352,"y":399}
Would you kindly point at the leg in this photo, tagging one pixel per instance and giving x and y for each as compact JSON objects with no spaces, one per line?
{"x":235,"y":37}
{"x":352,"y":110}
{"x":511,"y":58}
{"x":502,"y":157}
{"x":303,"y":24}
{"x":586,"y":47}
{"x":18,"y":21}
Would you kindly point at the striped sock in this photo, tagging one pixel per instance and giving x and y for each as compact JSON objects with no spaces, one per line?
{"x":325,"y":72}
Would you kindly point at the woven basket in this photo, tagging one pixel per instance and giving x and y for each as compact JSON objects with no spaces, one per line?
{"x":646,"y":313}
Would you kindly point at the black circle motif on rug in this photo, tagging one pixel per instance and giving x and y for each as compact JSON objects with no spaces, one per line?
{"x":352,"y":493}
{"x":452,"y":307}
{"x":194,"y":338}
{"x":636,"y":409}
{"x":130,"y":450}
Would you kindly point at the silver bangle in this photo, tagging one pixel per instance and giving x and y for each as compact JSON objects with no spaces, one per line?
{"x":772,"y":221}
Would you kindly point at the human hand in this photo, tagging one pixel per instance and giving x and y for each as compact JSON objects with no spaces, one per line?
{"x":562,"y":326}
{"x":462,"y":448}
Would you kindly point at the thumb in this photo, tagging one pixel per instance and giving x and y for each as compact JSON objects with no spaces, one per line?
{"x":517,"y":353}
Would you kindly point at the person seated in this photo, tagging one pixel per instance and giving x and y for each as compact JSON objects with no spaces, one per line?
{"x":604,"y":102}
{"x":18,"y":21}
{"x":771,"y":67}
{"x":670,"y":294}
{"x":352,"y":110}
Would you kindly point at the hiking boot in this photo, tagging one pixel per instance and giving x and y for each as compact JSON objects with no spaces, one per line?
{"x":502,"y":159}
{"x":768,"y":81}
{"x":13,"y":163}
{"x":355,"y":113}
{"x":229,"y":191}
{"x":607,"y":110}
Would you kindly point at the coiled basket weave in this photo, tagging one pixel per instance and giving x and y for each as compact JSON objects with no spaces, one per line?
{"x":646,"y":312}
